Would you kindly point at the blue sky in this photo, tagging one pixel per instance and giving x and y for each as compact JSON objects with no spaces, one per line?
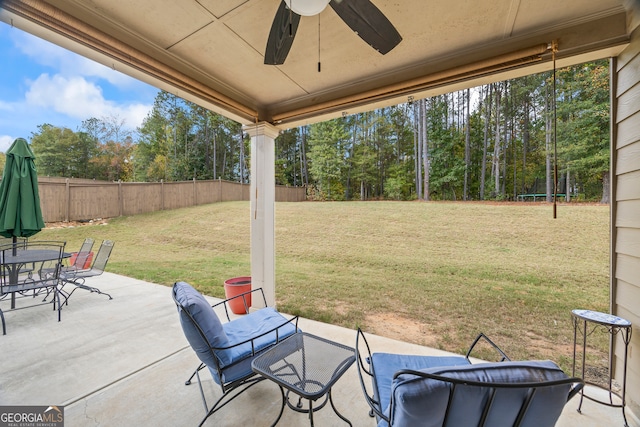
{"x":43,"y":83}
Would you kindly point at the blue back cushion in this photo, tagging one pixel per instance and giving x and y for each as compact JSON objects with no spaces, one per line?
{"x":384,"y":365}
{"x":422,"y":402}
{"x":201,"y":311}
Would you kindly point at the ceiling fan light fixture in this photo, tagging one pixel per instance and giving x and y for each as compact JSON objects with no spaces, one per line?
{"x":307,"y":7}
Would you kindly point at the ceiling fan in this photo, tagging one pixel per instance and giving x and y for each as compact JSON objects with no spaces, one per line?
{"x":362,"y":16}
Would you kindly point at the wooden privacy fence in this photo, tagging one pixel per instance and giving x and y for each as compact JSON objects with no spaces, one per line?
{"x":68,"y":199}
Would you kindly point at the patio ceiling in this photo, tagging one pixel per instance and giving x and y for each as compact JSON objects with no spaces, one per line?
{"x":211,"y":51}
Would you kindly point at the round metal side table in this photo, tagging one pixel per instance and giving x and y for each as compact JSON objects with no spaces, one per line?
{"x":614,"y":325}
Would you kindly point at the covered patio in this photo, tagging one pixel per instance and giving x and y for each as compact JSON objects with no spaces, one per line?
{"x":123,"y":362}
{"x":212,"y":53}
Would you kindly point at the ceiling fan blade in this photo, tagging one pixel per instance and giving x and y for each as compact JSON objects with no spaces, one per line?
{"x":283,"y":30}
{"x":372,"y":26}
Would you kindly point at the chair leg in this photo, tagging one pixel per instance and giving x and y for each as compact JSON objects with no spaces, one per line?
{"x":228,"y":396}
{"x":204,"y":399}
{"x":64,"y":294}
{"x":56,"y":299}
{"x":199,"y":368}
{"x":196,"y":374}
{"x":46,"y":296}
{"x":4,"y":327}
{"x":80,"y":283}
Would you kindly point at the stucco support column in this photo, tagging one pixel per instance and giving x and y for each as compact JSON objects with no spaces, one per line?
{"x":262,"y":198}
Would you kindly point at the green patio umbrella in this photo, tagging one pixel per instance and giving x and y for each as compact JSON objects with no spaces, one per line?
{"x":20,"y":214}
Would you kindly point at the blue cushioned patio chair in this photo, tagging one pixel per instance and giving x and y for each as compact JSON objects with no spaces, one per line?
{"x":228,"y":349}
{"x":434,"y":391}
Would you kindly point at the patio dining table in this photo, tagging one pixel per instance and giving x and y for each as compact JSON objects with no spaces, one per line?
{"x":14,"y":261}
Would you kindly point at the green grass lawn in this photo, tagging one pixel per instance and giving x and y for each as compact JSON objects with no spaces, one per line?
{"x":432,"y":273}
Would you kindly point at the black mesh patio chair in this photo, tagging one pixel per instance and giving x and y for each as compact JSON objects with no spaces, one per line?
{"x":82,"y":259}
{"x":227,"y":349}
{"x":19,"y":241}
{"x":416,"y":390}
{"x":19,"y":286}
{"x":77,"y":277}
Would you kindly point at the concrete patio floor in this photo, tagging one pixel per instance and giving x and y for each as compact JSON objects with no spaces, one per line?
{"x":123,"y":362}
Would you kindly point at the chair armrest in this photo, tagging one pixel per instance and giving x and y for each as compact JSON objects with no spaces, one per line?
{"x":481,"y":336}
{"x":575,"y":388}
{"x":225,"y":303}
{"x":373,"y":403}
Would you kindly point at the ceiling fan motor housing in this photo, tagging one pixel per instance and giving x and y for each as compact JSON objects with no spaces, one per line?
{"x":307,"y":7}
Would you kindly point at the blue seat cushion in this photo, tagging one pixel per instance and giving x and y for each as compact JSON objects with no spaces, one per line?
{"x":385,"y":365}
{"x":235,"y":362}
{"x":421,"y":401}
{"x":202,"y":313}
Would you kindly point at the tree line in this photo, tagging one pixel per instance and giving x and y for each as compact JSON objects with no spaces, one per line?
{"x":537,"y":134}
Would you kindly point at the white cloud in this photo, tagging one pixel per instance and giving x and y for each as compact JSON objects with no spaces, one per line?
{"x":73,"y":96}
{"x":67,"y":62}
{"x":135,"y":114}
{"x":81,"y":99}
{"x":5,"y":142}
{"x":63,"y":89}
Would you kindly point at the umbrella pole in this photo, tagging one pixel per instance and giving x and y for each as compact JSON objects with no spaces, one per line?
{"x":14,"y":250}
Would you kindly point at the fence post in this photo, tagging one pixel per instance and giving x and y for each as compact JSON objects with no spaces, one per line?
{"x":162,"y":194}
{"x":68,"y":196}
{"x":195,"y":192}
{"x":120,"y":201}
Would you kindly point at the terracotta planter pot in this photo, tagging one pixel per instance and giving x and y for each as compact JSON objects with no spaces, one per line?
{"x":237,"y":286}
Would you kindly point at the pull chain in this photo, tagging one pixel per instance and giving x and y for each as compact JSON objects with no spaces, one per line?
{"x":290,"y":19}
{"x":319,"y":67}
